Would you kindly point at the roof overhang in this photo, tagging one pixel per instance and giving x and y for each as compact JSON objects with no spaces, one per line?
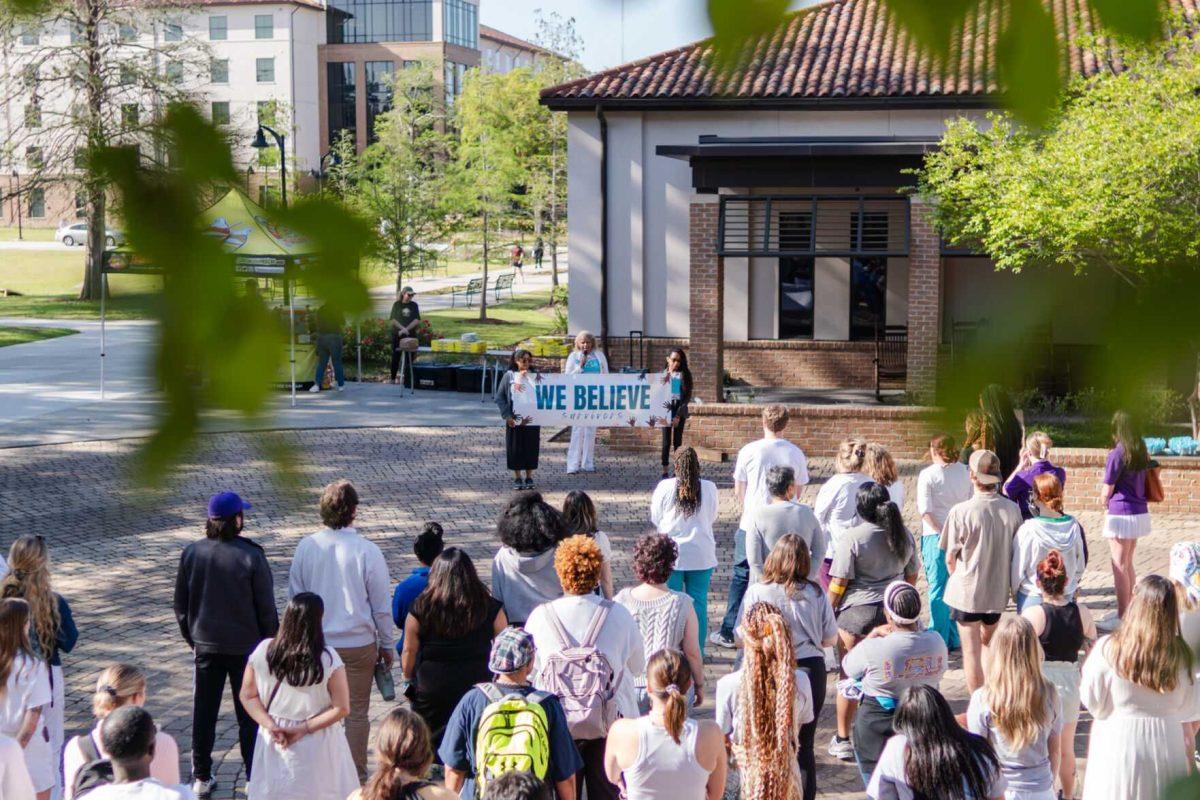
{"x":871,"y":103}
{"x":798,"y":147}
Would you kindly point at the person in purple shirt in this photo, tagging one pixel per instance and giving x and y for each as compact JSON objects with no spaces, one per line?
{"x":1124,"y":494}
{"x":1034,"y":460}
{"x":426,"y":547}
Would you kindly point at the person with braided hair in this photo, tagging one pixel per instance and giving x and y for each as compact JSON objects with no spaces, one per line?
{"x":761,"y":707}
{"x":664,"y":754}
{"x":685,"y":508}
{"x":405,"y":755}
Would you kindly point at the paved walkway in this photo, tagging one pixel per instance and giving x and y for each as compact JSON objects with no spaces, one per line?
{"x":529,"y":281}
{"x":115,"y":548}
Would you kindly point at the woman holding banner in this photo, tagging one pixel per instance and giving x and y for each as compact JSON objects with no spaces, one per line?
{"x":522,"y":443}
{"x":585,"y":358}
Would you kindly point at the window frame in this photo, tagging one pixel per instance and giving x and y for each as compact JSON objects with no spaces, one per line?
{"x":172,"y":31}
{"x":258,"y":69}
{"x":37,"y":195}
{"x":212,"y":112}
{"x":224,"y":28}
{"x":212,"y":71}
{"x":258,"y":30}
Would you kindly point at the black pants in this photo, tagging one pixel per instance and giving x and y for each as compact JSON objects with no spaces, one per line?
{"x":872,"y":729}
{"x":814,"y":668}
{"x":592,"y":775}
{"x":672,"y":438}
{"x":212,"y":672}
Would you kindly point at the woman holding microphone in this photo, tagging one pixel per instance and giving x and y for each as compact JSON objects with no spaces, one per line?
{"x":585,"y":359}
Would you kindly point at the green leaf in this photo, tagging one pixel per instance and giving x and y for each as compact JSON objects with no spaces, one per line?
{"x":1028,"y":56}
{"x":735,"y":22}
{"x":1141,"y":20}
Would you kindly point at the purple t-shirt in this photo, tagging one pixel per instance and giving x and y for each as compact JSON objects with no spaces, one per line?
{"x":1019,"y":488}
{"x":1129,"y":487}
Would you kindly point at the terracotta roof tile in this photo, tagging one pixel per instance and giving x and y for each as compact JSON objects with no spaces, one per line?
{"x":841,"y":50}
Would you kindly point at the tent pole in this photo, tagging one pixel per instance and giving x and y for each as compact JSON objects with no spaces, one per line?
{"x":358,"y":339}
{"x":291,"y":337}
{"x":103,"y":286}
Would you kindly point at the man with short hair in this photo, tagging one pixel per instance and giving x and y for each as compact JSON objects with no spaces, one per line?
{"x":977,"y":539}
{"x":128,"y":738}
{"x":754,"y":461}
{"x":511,"y":662}
{"x":225,"y":606}
{"x":349,"y":573}
{"x":781,"y":516}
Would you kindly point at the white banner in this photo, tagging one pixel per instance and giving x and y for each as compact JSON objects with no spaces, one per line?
{"x":612,"y":400}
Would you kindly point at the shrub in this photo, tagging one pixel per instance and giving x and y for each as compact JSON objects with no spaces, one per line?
{"x":377,"y":340}
{"x":558,"y":299}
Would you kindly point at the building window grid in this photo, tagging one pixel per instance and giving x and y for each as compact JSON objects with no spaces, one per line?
{"x":220,"y":112}
{"x":126,"y":32}
{"x":378,"y":76}
{"x":173,"y":32}
{"x":218,"y":28}
{"x":218,"y":70}
{"x":264,"y":70}
{"x":453,"y":76}
{"x":363,"y":21}
{"x":37,"y":203}
{"x":341,"y":98}
{"x":264,"y":26}
{"x":460,"y":23}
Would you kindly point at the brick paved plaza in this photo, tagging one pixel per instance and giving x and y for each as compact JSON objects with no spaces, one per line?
{"x":115,"y":549}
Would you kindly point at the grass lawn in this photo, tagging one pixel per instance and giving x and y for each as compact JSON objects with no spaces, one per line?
{"x":511,"y":322}
{"x":128,"y":306}
{"x":376,"y":273}
{"x":54,"y":272}
{"x":29,"y":234}
{"x":9,"y":336}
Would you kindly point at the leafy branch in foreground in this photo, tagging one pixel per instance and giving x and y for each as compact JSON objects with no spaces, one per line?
{"x":217,"y":348}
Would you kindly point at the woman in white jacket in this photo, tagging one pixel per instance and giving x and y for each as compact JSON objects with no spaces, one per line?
{"x":1051,"y":529}
{"x":585,"y":358}
{"x":835,"y":505}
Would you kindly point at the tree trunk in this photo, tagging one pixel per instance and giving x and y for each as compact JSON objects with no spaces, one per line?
{"x":483,"y":293}
{"x":93,"y":279}
{"x":554,"y":220}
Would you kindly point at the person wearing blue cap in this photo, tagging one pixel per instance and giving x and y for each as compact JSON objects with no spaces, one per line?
{"x":225,"y":605}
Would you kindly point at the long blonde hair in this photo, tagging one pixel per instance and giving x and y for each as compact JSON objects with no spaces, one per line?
{"x":767,"y":729}
{"x":29,"y":579}
{"x":850,"y":455}
{"x":1148,"y":649}
{"x":117,"y":685}
{"x":1018,"y":697}
{"x":879,"y":466}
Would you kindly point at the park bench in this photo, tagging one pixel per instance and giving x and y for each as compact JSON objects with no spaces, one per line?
{"x":468,"y":293}
{"x":504,"y":282}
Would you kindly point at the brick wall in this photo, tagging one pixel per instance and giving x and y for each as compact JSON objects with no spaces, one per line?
{"x":802,"y":364}
{"x":725,"y":427}
{"x":1085,"y":468}
{"x":706,"y":298}
{"x":924,"y":301}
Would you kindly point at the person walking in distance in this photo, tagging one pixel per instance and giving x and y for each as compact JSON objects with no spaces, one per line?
{"x":754,"y":462}
{"x":584,"y":359}
{"x":225,"y":606}
{"x":977,"y":539}
{"x":942,"y":485}
{"x":349,"y":573}
{"x":539,"y":253}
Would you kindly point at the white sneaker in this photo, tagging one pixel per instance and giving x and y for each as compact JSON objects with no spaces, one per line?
{"x":204,"y":789}
{"x":341,"y":387}
{"x":841,"y":750}
{"x":315,"y":388}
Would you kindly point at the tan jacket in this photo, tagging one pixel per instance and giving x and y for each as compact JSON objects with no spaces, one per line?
{"x":978,"y":536}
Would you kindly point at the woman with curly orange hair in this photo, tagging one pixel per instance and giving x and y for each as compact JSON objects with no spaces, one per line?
{"x":761,"y":707}
{"x":581,"y":619}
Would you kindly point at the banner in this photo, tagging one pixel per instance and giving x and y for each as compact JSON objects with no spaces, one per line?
{"x":613,"y":400}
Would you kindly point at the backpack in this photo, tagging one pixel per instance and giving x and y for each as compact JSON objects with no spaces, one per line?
{"x":96,"y":770}
{"x":513,"y":735}
{"x":581,"y":677}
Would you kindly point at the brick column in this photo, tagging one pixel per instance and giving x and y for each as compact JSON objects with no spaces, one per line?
{"x":706,"y":303}
{"x":924,"y":302}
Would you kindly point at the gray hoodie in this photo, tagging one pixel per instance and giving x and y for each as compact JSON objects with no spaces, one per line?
{"x":1038,"y":536}
{"x":523,"y":583}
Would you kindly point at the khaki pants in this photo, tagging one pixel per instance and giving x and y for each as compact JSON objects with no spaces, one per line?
{"x":360,"y":675}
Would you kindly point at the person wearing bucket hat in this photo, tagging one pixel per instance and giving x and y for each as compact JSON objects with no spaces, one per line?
{"x":225,"y":606}
{"x":403,"y":321}
{"x":511,"y":661}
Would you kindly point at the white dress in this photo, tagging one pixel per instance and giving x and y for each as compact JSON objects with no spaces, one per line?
{"x":317,"y":767}
{"x":1136,"y":748}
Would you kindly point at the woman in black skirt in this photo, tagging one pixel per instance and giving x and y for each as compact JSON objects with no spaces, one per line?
{"x":672,"y":437}
{"x":522,"y":442}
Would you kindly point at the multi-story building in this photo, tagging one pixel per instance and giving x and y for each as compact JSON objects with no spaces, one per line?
{"x":501,"y":52}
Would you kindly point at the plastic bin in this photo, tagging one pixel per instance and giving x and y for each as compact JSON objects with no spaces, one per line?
{"x":468,"y":377}
{"x":435,"y":376}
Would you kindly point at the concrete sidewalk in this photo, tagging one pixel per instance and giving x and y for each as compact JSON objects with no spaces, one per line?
{"x":529,"y":282}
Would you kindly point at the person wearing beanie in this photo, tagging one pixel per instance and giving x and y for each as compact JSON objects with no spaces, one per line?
{"x":426,"y":547}
{"x":511,"y":662}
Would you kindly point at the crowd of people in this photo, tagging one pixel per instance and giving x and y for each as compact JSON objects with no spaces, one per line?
{"x":554,"y":681}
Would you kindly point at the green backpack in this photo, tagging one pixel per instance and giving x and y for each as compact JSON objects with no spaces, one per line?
{"x":513,"y":736}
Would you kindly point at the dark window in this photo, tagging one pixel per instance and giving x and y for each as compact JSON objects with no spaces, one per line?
{"x":175,"y":72}
{"x":872,"y":227}
{"x":33,"y":157}
{"x":460,"y":23}
{"x":218,"y":70}
{"x":220,"y":112}
{"x":266,"y":112}
{"x":126,"y":33}
{"x":795,"y":296}
{"x":454,"y":75}
{"x":340,"y":86}
{"x":218,"y":28}
{"x":379,"y":91}
{"x":128,"y":75}
{"x":264,"y":26}
{"x":173,"y":32}
{"x":357,"y":21}
{"x":795,"y":230}
{"x":29,"y":35}
{"x":264,"y":70}
{"x":868,"y":296}
{"x":129,"y":115}
{"x":33,"y":115}
{"x":37,"y":202}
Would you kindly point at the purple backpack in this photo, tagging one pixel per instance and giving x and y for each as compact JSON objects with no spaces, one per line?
{"x":581,"y":677}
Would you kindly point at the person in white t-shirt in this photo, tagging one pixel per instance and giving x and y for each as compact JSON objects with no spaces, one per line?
{"x":754,"y":461}
{"x":26,"y":695}
{"x":835,"y":505}
{"x":15,"y":783}
{"x":128,"y":736}
{"x":942,"y":485}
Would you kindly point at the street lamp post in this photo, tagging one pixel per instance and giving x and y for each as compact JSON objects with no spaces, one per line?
{"x":261,"y":142}
{"x":17,"y":202}
{"x":249,"y":173}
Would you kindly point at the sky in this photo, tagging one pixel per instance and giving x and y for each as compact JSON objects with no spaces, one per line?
{"x":650,"y":26}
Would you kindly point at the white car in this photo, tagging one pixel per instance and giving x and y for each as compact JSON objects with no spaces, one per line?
{"x":76,"y":234}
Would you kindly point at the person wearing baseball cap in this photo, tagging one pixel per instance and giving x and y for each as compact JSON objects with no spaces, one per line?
{"x":977,"y":539}
{"x":511,"y":661}
{"x":225,"y":606}
{"x":404,"y":319}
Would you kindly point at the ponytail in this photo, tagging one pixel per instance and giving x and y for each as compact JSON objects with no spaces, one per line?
{"x":1049,"y":490}
{"x":875,"y":505}
{"x":668,"y":678}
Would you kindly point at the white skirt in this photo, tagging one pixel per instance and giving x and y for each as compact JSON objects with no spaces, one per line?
{"x":1126,"y":526}
{"x":318,"y":767}
{"x":39,"y":760}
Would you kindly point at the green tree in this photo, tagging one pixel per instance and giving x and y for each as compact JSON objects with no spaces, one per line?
{"x":399,"y":181}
